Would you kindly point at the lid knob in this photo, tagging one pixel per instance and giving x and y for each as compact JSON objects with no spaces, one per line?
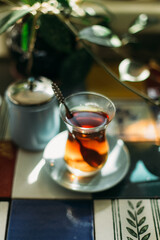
{"x":31,"y":91}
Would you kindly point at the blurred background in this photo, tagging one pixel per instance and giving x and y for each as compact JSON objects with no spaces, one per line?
{"x":125,"y":12}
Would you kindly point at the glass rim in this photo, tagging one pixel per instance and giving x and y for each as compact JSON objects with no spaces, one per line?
{"x":91,"y":93}
{"x":97,"y":128}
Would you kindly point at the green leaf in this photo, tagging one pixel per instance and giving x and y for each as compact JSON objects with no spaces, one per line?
{"x":138,"y":204}
{"x":131,"y":215}
{"x":140,"y":210}
{"x":64,"y":3}
{"x":100,"y":35}
{"x":142,"y":220}
{"x":24,"y":37}
{"x":143,"y":229}
{"x":142,"y":22}
{"x":11,"y":18}
{"x":102,"y":5}
{"x":133,"y":233}
{"x":128,"y":238}
{"x":146,"y":237}
{"x":131,"y":222}
{"x":31,"y":2}
{"x":130,"y":204}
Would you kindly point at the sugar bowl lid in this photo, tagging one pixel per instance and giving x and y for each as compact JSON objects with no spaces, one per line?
{"x":31,"y":91}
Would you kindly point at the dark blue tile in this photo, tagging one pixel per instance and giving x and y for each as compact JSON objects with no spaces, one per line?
{"x":51,"y":220}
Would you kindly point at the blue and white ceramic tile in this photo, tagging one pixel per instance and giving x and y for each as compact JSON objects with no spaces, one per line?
{"x":51,"y":219}
{"x":31,"y":181}
{"x":3,"y":218}
{"x":127,"y":219}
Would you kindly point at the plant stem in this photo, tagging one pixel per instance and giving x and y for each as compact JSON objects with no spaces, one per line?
{"x":32,"y":44}
{"x":105,"y":67}
{"x":137,"y":225}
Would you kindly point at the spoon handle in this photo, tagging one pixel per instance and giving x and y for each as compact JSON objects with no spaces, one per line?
{"x":60,"y":98}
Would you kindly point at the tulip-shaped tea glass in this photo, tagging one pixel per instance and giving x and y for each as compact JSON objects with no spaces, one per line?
{"x":87,"y":147}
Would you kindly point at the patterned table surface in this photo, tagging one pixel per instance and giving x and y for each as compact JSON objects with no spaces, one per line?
{"x":41,"y":209}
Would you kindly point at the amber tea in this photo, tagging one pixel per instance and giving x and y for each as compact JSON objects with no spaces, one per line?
{"x":79,"y":143}
{"x":87,"y":147}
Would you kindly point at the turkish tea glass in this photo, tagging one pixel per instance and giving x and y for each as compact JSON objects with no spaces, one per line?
{"x":87,"y":147}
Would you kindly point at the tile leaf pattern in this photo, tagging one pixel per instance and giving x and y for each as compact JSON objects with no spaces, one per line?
{"x":136,"y":222}
{"x":130,"y":219}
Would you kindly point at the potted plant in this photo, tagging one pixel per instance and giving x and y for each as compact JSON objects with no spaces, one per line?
{"x":42,"y":44}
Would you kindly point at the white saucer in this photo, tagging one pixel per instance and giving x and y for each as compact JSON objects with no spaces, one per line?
{"x":112,"y":173}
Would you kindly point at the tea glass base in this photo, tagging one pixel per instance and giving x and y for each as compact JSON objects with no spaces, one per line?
{"x":79,"y":173}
